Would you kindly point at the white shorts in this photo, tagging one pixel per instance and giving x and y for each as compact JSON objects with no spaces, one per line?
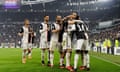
{"x":48,"y":44}
{"x":53,"y":44}
{"x":43,"y":44}
{"x":30,"y":45}
{"x":66,"y":41}
{"x":82,"y":45}
{"x":24,"y":45}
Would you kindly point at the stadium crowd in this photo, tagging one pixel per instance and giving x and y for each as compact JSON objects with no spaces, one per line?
{"x":109,"y":38}
{"x":111,"y":33}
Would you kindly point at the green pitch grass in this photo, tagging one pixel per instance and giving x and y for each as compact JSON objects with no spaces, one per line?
{"x":10,"y":61}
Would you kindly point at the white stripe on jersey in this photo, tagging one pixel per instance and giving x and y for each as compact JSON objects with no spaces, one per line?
{"x":55,"y":35}
{"x":81,"y":26}
{"x":25,"y":34}
{"x":43,"y":32}
{"x":79,"y":21}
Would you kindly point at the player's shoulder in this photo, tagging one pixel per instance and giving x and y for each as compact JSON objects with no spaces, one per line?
{"x":22,"y":27}
{"x":54,"y":23}
{"x":42,"y":23}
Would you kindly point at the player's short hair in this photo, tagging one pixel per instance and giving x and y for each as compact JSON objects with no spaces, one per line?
{"x":26,"y":19}
{"x":74,"y":12}
{"x":46,"y":16}
{"x":78,"y":17}
{"x":58,"y":15}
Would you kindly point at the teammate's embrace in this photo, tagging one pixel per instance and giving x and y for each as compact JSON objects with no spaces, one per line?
{"x":44,"y":39}
{"x":82,"y":45}
{"x":24,"y":32}
{"x":68,"y":28}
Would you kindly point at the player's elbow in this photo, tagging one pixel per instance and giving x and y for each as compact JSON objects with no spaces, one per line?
{"x":20,"y":34}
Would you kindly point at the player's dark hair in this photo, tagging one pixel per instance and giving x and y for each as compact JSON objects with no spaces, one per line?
{"x":58,"y":15}
{"x":74,"y":12}
{"x":46,"y":16}
{"x":77,"y":18}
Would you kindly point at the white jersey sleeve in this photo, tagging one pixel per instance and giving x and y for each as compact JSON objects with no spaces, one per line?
{"x":79,"y":21}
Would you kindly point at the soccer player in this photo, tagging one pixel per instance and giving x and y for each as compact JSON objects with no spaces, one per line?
{"x":54,"y":38}
{"x":73,"y":35}
{"x":68,"y":28}
{"x":82,"y":45}
{"x":76,"y":17}
{"x":60,"y":37}
{"x":31,"y":37}
{"x":24,"y":32}
{"x":44,"y":39}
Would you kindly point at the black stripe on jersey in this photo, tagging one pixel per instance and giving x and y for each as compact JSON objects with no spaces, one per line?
{"x":53,"y":27}
{"x":60,"y":33}
{"x":41,"y":26}
{"x":31,"y":37}
{"x":21,"y":30}
{"x":85,"y":27}
{"x":65,"y":26}
{"x":49,"y":32}
{"x":81,"y":28}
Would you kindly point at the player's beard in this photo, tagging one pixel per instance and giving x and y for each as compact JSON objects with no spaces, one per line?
{"x":47,"y":20}
{"x":26,"y":25}
{"x":58,"y":21}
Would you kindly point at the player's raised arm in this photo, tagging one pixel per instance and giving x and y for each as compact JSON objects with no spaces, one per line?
{"x":71,"y":21}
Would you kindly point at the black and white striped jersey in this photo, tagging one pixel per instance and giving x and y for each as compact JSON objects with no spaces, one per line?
{"x":31,"y":37}
{"x":81,"y":30}
{"x":49,"y":32}
{"x":43,"y":31}
{"x":25,"y":32}
{"x":54,"y":36}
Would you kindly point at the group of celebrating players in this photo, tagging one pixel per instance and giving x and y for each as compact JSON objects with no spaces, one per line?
{"x":59,"y":34}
